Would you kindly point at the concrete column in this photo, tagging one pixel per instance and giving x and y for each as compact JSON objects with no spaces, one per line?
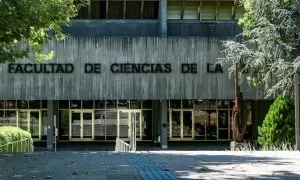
{"x":163,"y":17}
{"x":164,"y":130}
{"x":52,"y":110}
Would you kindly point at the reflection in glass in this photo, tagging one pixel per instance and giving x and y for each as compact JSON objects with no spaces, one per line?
{"x":10,"y":118}
{"x":22,"y":104}
{"x":44,"y":125}
{"x":87,"y":104}
{"x":223,"y":104}
{"x":100,"y":104}
{"x":187,"y":104}
{"x":223,"y":119}
{"x":147,"y":125}
{"x":175,"y":104}
{"x":136,"y":116}
{"x":123,"y":124}
{"x":200,"y":118}
{"x":123,"y":104}
{"x":100,"y":125}
{"x":111,"y":125}
{"x":34,"y":124}
{"x":23,"y":120}
{"x":75,"y":104}
{"x":64,"y":104}
{"x":135,"y":104}
{"x":1,"y":104}
{"x":87,"y":124}
{"x":211,"y":126}
{"x":111,"y":104}
{"x":176,"y":130}
{"x":187,"y":124}
{"x":212,"y":104}
{"x":75,"y":122}
{"x":147,"y":104}
{"x":10,"y":104}
{"x":3,"y":121}
{"x":64,"y":124}
{"x":201,"y":104}
{"x":35,"y":104}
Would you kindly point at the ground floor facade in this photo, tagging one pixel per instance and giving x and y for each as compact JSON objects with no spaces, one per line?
{"x":106,"y":120}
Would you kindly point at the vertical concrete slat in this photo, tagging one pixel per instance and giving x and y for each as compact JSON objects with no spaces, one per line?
{"x":164,"y":130}
{"x":50,"y":115}
{"x":163,"y":25}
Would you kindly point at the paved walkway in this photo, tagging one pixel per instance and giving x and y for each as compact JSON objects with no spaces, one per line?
{"x":164,"y":165}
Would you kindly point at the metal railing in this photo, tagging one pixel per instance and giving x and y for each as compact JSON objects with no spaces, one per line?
{"x":23,"y":145}
{"x":122,"y":146}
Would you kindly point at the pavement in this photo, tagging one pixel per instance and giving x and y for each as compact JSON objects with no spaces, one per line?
{"x":102,"y":165}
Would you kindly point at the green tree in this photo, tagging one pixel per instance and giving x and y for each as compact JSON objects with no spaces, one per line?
{"x":278,"y":127}
{"x":25,"y":25}
{"x":268,"y":49}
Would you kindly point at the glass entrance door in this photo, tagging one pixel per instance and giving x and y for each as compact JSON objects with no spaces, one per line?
{"x":125,"y":126}
{"x":81,"y":125}
{"x":30,"y":120}
{"x":181,"y":124}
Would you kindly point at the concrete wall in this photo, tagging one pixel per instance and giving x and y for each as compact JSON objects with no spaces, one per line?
{"x":108,"y":85}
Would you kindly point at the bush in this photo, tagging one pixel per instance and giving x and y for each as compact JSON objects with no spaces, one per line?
{"x":9,"y":134}
{"x":278,"y":127}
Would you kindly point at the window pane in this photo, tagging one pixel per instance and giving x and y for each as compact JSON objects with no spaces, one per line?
{"x":111,"y":104}
{"x":63,"y":104}
{"x":223,"y":104}
{"x":115,"y":9}
{"x":123,"y":124}
{"x":23,"y":120}
{"x":75,"y":104}
{"x":150,"y":10}
{"x":135,"y":104}
{"x":10,"y":118}
{"x":147,"y":124}
{"x":208,"y":11}
{"x":83,"y":13}
{"x":201,"y":104}
{"x":44,"y":104}
{"x":174,"y":10}
{"x":44,"y":125}
{"x":187,"y":124}
{"x":22,"y":104}
{"x":10,"y":104}
{"x":190,"y":10}
{"x":147,"y":104}
{"x":100,"y":104}
{"x":1,"y":104}
{"x":175,"y":104}
{"x":87,"y":124}
{"x":187,"y":104}
{"x":3,"y":121}
{"x":223,"y":134}
{"x":34,"y":124}
{"x":211,"y":126}
{"x":64,"y":124}
{"x":225,"y":11}
{"x":223,"y":119}
{"x":75,"y":125}
{"x":176,"y":129}
{"x":87,"y":104}
{"x":100,"y":125}
{"x":35,"y":104}
{"x":111,"y":125}
{"x":123,"y":104}
{"x":200,"y":118}
{"x":98,"y":9}
{"x":133,"y":9}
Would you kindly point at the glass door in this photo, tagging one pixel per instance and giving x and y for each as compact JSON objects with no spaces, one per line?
{"x":181,"y":124}
{"x":125,"y":127}
{"x":81,"y":125}
{"x":30,"y":120}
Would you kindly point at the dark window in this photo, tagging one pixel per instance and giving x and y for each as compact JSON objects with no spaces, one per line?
{"x":124,"y":104}
{"x":44,"y":104}
{"x":98,"y":9}
{"x":83,"y":13}
{"x":64,"y":104}
{"x":176,"y":104}
{"x":1,"y":104}
{"x":111,"y":104}
{"x":10,"y":104}
{"x":147,"y":104}
{"x":100,"y":104}
{"x":115,"y":9}
{"x":187,"y":104}
{"x":135,"y":104}
{"x":150,"y":10}
{"x":22,"y":104}
{"x":64,"y":124}
{"x":87,"y":104}
{"x":147,"y":125}
{"x":133,"y":9}
{"x":35,"y":104}
{"x":75,"y":104}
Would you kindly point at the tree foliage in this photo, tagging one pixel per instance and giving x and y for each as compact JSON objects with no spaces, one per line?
{"x":32,"y":22}
{"x":278,"y":127}
{"x":268,"y":49}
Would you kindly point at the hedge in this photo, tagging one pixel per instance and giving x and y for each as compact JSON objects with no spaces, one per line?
{"x":22,"y":140}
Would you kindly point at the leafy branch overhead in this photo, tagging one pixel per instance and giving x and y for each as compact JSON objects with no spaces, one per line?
{"x":34,"y":22}
{"x":268,"y":49}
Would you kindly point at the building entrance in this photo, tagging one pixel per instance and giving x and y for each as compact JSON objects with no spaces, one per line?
{"x":82,"y":124}
{"x":129,"y":124}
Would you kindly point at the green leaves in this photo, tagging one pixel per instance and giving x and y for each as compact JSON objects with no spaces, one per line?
{"x":25,"y":26}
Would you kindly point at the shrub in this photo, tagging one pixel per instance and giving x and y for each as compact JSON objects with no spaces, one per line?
{"x":278,"y":126}
{"x":9,"y":134}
